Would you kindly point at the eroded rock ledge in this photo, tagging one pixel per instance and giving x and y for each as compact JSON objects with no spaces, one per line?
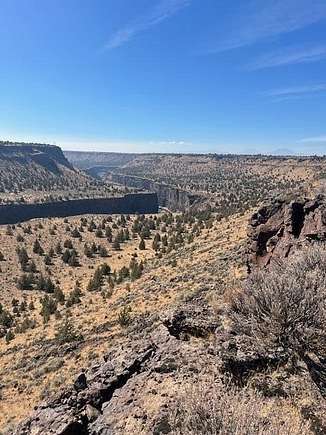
{"x":280,"y":227}
{"x":132,"y":390}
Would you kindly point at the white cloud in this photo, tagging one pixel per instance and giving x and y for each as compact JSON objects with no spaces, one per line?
{"x":162,"y":10}
{"x":264,"y":19}
{"x":296,"y":92}
{"x":289,"y":56}
{"x":314,"y":140}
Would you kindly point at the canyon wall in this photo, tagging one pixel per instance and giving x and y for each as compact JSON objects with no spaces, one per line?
{"x":142,"y":203}
{"x":168,"y":196}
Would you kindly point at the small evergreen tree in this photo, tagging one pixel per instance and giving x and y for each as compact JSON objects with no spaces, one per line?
{"x":37,"y":248}
{"x":58,"y":248}
{"x":142,"y":245}
{"x":49,"y":307}
{"x":116,"y":244}
{"x":9,"y":336}
{"x":124,"y":317}
{"x":25,"y":282}
{"x":59,"y":295}
{"x":47,"y":260}
{"x":102,"y":251}
{"x":73,"y":260}
{"x":75,"y":233}
{"x":66,"y":332}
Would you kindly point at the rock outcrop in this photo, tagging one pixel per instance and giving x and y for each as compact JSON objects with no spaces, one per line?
{"x":132,"y":390}
{"x":276,"y":230}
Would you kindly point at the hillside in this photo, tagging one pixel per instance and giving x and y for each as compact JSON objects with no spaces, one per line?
{"x":38,"y":172}
{"x":146,"y":323}
{"x":227,"y":183}
{"x":194,"y":345}
{"x":34,"y":364}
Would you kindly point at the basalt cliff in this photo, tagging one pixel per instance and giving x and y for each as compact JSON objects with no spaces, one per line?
{"x":279,"y":228}
{"x":168,"y":196}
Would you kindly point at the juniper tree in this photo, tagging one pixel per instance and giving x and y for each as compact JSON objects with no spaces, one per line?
{"x":49,"y":307}
{"x":22,"y":258}
{"x":25,"y":281}
{"x":116,"y":244}
{"x":47,"y":260}
{"x":58,"y":248}
{"x":37,"y":248}
{"x":87,"y":251}
{"x":74,"y":297}
{"x":73,"y":260}
{"x":102,"y":251}
{"x":59,"y":295}
{"x":66,"y":332}
{"x":75,"y":233}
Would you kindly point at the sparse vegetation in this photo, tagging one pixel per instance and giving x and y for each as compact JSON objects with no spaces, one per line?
{"x":207,"y":408}
{"x":285,"y":308}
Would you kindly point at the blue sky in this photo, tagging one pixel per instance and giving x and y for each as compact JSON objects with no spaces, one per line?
{"x":165,"y":75}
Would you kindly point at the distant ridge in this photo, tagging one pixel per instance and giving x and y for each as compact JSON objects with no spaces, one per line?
{"x":32,"y":171}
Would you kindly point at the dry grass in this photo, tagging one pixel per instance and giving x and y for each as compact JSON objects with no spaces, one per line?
{"x":213,"y":409}
{"x":32,"y":365}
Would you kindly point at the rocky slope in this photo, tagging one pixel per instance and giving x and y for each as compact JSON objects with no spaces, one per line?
{"x":228,"y":183}
{"x":48,"y":156}
{"x":129,"y":392}
{"x":230,"y":333}
{"x":31,"y":172}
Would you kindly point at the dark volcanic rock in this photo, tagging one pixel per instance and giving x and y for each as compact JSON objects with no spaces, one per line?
{"x":191,"y":319}
{"x":131,"y":390}
{"x":128,"y":204}
{"x":276,"y":230}
{"x":168,"y":196}
{"x":81,"y":382}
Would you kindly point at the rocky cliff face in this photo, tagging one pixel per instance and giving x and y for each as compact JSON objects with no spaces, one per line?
{"x":279,"y":228}
{"x":129,"y":204}
{"x":168,"y":196}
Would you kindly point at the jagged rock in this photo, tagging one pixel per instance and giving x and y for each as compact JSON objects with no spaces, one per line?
{"x":92,"y":413}
{"x":280,"y":228}
{"x":191,"y":319}
{"x":127,"y":393}
{"x":81,"y":382}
